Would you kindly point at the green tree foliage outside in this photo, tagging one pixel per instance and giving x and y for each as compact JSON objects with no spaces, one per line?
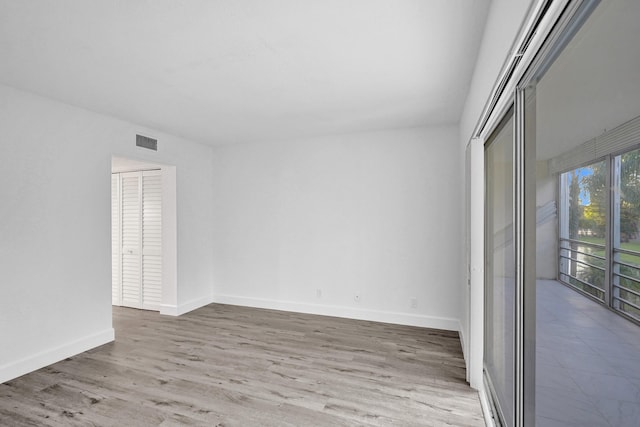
{"x":592,"y":216}
{"x":587,"y":221}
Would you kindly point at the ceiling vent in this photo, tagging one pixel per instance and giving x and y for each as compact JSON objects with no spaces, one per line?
{"x":146,"y":142}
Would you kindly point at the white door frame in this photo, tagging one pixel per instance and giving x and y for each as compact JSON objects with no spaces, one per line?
{"x":169,"y":304}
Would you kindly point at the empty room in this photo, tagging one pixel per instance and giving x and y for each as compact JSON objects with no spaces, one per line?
{"x":319,"y":213}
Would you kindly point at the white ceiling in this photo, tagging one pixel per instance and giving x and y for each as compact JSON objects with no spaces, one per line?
{"x":237,"y":71}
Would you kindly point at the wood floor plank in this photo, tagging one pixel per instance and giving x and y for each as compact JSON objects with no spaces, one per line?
{"x":225,"y":365}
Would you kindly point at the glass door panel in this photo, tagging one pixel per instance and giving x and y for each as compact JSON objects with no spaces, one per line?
{"x":583,"y":201}
{"x":626,"y":234}
{"x":500,"y":269}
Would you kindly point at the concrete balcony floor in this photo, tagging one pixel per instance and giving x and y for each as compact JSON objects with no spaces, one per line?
{"x":587,"y":362}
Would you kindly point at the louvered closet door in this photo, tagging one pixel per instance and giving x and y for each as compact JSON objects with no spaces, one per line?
{"x":131,"y":266}
{"x":136,"y":211}
{"x":151,"y":239}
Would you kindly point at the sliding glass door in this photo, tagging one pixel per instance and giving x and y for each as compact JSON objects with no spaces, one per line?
{"x":510,"y":256}
{"x":599,"y":228}
{"x":556,"y":118}
{"x":625,"y":286}
{"x":500,"y":271}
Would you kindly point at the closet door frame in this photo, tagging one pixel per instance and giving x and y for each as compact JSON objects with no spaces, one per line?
{"x":116,"y":240}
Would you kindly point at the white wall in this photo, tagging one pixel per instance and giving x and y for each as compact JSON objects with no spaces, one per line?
{"x":503,"y":23}
{"x":368,"y":214}
{"x":55,"y":258}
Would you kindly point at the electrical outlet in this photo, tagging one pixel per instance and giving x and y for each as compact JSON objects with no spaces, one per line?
{"x":318,"y":293}
{"x":414,"y":302}
{"x":356,"y":297}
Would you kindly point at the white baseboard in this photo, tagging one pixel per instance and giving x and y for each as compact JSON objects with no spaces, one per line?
{"x":173,"y":310}
{"x":462,"y":341}
{"x":486,"y":408}
{"x":53,"y":355}
{"x":346,"y":312}
{"x":464,"y":349}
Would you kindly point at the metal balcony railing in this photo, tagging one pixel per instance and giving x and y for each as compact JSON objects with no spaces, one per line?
{"x":583,"y":266}
{"x":625,"y":296}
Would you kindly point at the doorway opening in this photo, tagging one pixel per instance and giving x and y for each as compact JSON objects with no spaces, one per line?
{"x":143,"y":231}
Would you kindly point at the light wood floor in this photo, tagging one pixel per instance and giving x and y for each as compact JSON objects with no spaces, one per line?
{"x":223,"y":365}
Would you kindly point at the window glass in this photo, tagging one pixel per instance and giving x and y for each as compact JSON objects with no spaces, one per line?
{"x":500,"y":273}
{"x":626,"y":234}
{"x":583,"y":207}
